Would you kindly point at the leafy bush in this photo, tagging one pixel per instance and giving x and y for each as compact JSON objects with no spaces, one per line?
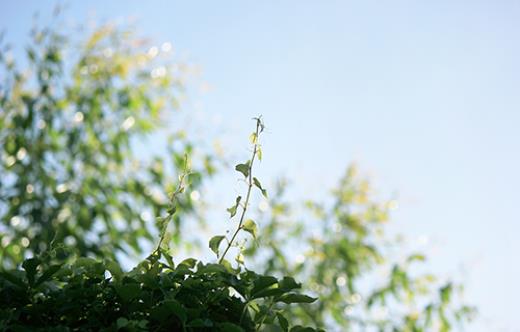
{"x":156,"y":295}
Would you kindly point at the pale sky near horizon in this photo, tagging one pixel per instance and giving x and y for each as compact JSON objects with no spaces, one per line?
{"x":424,"y":95}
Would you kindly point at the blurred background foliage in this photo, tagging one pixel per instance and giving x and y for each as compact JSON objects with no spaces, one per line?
{"x":70,"y":117}
{"x":365,"y":279}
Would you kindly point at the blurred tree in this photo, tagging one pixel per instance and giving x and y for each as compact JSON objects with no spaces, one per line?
{"x":67,"y":124}
{"x":365,"y":281}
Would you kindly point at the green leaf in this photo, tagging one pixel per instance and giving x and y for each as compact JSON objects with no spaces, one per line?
{"x":200,"y":323}
{"x":30,"y":266}
{"x":243,"y":168}
{"x":240,"y":258}
{"x":176,"y":308}
{"x":253,"y":138}
{"x":168,"y":308}
{"x":12,"y":278}
{"x":121,"y":322}
{"x":47,"y":274}
{"x":214,"y":243}
{"x":262,"y":283}
{"x":229,"y":327}
{"x":233,"y":210}
{"x":259,"y":153}
{"x":299,"y":328}
{"x":284,"y":324}
{"x":445,"y":293}
{"x":128,"y":292}
{"x":288,"y":283}
{"x":250,"y":227}
{"x":259,"y":186}
{"x":296,"y":298}
{"x":416,"y":257}
{"x":189,"y":262}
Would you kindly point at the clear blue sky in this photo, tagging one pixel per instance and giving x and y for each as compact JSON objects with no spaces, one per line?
{"x":425,"y":95}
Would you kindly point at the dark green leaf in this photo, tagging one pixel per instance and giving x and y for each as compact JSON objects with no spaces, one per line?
{"x":259,"y":186}
{"x":128,"y":292}
{"x":284,"y":324}
{"x":30,"y":266}
{"x":296,"y":298}
{"x":229,"y":327}
{"x":48,"y":273}
{"x":243,"y":168}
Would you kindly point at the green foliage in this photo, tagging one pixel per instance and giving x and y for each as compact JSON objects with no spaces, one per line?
{"x":67,"y":125}
{"x":90,"y":295}
{"x":341,"y":259}
{"x":157,"y":295}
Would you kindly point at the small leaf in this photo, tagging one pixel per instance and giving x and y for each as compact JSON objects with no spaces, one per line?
{"x":253,"y":138}
{"x":48,"y":274}
{"x":198,"y":322}
{"x":121,"y":322}
{"x":168,"y":308}
{"x":240,"y":258}
{"x":243,"y":168}
{"x":297,"y":298}
{"x":288,"y":283}
{"x":262,"y":283}
{"x":299,"y":328}
{"x":416,"y":257}
{"x":30,"y":265}
{"x":12,"y":278}
{"x":284,"y":324}
{"x":250,"y":227}
{"x":128,"y":292}
{"x":189,"y":262}
{"x":233,"y":210}
{"x":214,"y":243}
{"x":229,"y":327}
{"x":259,"y":153}
{"x":259,"y":186}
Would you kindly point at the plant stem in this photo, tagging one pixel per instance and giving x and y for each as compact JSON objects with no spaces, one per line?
{"x":249,"y":187}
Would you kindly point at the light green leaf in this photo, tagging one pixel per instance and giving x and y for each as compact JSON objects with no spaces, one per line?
{"x":250,"y":227}
{"x":253,"y":138}
{"x":214,"y":243}
{"x":240,"y":258}
{"x":233,"y":210}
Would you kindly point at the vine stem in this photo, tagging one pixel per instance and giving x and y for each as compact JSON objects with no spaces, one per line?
{"x":173,"y":202}
{"x":259,"y":128}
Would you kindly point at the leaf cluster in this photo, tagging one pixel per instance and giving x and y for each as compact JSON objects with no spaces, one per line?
{"x":156,"y":295}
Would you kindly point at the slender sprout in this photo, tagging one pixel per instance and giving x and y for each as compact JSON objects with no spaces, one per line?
{"x":259,"y":129}
{"x":173,"y":205}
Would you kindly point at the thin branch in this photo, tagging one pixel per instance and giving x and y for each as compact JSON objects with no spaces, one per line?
{"x":259,"y":128}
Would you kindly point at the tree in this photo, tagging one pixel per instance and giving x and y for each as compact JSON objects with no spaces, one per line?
{"x":74,"y":194}
{"x":365,"y":280}
{"x":67,"y":125}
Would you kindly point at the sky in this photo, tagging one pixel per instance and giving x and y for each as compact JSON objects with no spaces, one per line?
{"x":423,"y":95}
